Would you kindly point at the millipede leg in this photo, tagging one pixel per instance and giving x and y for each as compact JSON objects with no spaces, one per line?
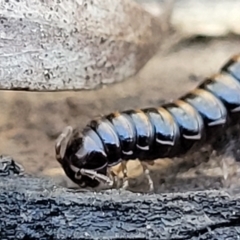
{"x":119,"y":175}
{"x":229,"y":170}
{"x":150,"y":181}
{"x":125,"y":183}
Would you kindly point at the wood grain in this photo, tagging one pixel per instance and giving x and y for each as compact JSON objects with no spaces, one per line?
{"x":35,"y":208}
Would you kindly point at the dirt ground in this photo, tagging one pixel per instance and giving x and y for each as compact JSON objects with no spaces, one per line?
{"x":30,"y":122}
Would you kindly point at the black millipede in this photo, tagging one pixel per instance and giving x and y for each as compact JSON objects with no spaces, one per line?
{"x":171,"y":130}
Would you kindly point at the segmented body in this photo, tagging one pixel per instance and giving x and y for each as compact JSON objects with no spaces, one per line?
{"x":175,"y":127}
{"x":168,"y":131}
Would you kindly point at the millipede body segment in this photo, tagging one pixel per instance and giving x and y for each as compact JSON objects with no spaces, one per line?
{"x":147,"y":134}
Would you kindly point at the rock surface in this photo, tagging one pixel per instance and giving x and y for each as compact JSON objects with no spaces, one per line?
{"x":62,"y":45}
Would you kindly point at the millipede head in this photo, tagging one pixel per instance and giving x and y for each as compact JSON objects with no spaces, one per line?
{"x":82,"y":159}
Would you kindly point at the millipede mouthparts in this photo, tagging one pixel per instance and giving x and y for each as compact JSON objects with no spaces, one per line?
{"x":171,"y":130}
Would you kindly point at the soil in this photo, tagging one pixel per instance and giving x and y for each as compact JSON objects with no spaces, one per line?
{"x":30,"y":122}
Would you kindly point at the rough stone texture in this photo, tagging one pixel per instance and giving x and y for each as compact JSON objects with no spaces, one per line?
{"x":35,"y":208}
{"x":73,"y":44}
{"x":85,"y":44}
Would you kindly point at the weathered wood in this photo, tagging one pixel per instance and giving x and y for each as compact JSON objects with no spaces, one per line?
{"x":62,"y":45}
{"x":35,"y":208}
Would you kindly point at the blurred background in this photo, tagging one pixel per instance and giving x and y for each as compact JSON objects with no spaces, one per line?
{"x":203,"y":35}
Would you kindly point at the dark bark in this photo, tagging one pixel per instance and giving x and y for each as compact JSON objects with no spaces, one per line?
{"x":35,"y":208}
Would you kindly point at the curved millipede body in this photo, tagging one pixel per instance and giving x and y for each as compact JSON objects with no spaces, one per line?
{"x":147,"y":134}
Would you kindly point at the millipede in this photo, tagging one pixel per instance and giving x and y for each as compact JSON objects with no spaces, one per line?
{"x":171,"y":130}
